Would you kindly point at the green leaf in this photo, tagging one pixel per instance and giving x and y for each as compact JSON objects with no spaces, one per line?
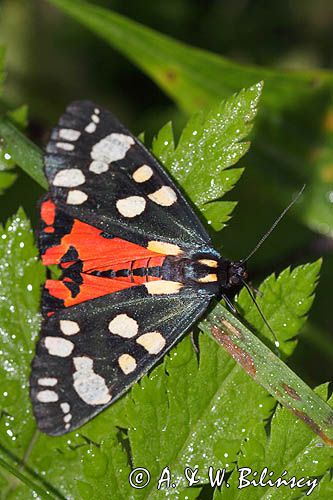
{"x":19,"y":116}
{"x":289,"y":446}
{"x":209,"y":145}
{"x":22,"y":151}
{"x":21,"y":477}
{"x":21,"y":276}
{"x":194,"y":78}
{"x":259,"y":361}
{"x":293,"y":291}
{"x":270,"y":371}
{"x":6,"y":178}
{"x":293,"y":143}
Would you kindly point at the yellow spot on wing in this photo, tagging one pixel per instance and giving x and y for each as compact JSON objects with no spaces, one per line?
{"x":165,"y":196}
{"x":127,"y":363}
{"x":153,"y":342}
{"x":142,"y":174}
{"x":208,"y":262}
{"x":208,"y":278}
{"x":164,"y":248}
{"x":163,"y":287}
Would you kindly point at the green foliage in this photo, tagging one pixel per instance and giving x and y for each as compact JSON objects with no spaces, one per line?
{"x":22,"y":151}
{"x":193,"y":78}
{"x":209,"y":145}
{"x":293,"y":291}
{"x":21,"y":276}
{"x":19,"y":117}
{"x":7,"y":178}
{"x":293,"y":143}
{"x":15,"y":148}
{"x":289,"y":445}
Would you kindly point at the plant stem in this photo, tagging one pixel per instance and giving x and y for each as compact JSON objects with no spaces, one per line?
{"x":270,"y":372}
{"x":25,"y":479}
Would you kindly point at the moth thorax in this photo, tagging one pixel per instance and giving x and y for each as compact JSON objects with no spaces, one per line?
{"x":191,"y":271}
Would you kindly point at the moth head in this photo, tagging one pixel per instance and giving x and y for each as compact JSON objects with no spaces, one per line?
{"x":237,"y":273}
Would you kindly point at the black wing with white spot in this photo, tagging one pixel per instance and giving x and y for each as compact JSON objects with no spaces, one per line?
{"x":101,"y":174}
{"x":91,"y":353}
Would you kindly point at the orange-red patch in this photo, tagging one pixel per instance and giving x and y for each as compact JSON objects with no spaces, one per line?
{"x":95,"y":251}
{"x":91,"y":288}
{"x":47,"y":212}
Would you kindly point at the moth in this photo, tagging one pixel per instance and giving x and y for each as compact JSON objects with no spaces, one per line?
{"x":138,"y":268}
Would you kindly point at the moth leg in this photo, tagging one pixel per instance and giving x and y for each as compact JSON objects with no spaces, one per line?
{"x":195,"y":347}
{"x":229,"y":304}
{"x":255,"y":290}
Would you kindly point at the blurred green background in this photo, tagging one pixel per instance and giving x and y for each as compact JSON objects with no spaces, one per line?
{"x":51,"y":59}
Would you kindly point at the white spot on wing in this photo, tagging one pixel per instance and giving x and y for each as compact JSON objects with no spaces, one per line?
{"x":153,"y":342}
{"x":131,"y":206}
{"x":47,"y":396}
{"x":112,"y":148}
{"x":66,"y":146}
{"x":67,"y":426}
{"x":58,"y":346}
{"x":90,"y":128}
{"x":98,"y":167}
{"x":48,"y":381}
{"x":165,"y":196}
{"x":69,"y":327}
{"x":76,"y":197}
{"x":67,"y":418}
{"x":124,"y":325}
{"x":89,"y":386}
{"x":142,"y":174}
{"x":69,"y":177}
{"x":65,"y":407}
{"x":69,"y":134}
{"x":83,"y":363}
{"x":127,"y":363}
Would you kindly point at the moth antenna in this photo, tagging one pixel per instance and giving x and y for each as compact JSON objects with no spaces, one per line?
{"x":276,"y":342}
{"x":273,"y":226}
